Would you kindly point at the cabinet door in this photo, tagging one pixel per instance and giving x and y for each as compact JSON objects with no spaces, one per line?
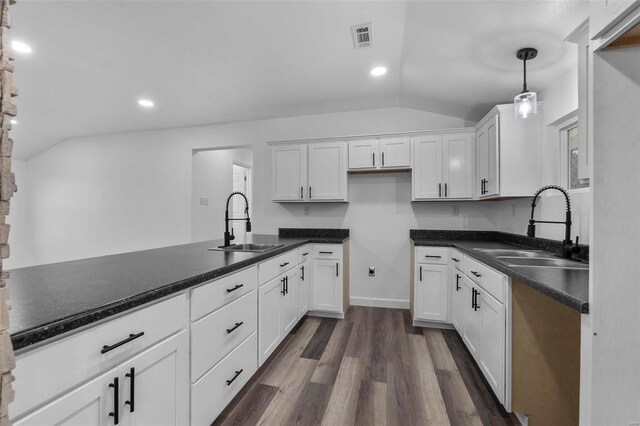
{"x":270,"y":320}
{"x":327,"y":285}
{"x":457,"y":304}
{"x":89,"y":404}
{"x":427,"y":171}
{"x":303,"y":288}
{"x":289,"y":169}
{"x":289,"y":302}
{"x":488,"y":145}
{"x":364,"y":154}
{"x":395,"y":152}
{"x":431,"y":292}
{"x":457,"y":166}
{"x":157,"y":384}
{"x":493,"y":330}
{"x":471,"y":318}
{"x":328,"y":171}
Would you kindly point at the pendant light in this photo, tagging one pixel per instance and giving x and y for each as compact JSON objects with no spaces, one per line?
{"x":526,"y":103}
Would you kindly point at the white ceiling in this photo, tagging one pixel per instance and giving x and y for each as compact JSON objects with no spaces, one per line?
{"x":206,"y":62}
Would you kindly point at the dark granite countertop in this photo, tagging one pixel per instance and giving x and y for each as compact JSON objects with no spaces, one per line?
{"x":568,"y":286}
{"x":49,"y":300}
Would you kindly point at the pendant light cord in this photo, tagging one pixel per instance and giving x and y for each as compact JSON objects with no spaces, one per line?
{"x":524,"y":84}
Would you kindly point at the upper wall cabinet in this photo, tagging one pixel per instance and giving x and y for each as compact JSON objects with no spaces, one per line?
{"x":443,"y":166}
{"x":508,"y":153}
{"x":380,"y":153}
{"x":314,"y":172}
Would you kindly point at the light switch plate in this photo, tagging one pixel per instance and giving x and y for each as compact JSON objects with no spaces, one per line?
{"x":204,"y":201}
{"x":456,"y":210}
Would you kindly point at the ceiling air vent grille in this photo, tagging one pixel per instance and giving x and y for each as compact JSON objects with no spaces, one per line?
{"x":362,"y":35}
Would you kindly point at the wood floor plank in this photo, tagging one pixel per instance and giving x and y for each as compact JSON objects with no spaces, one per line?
{"x":311,"y":405}
{"x":399,"y":349}
{"x":380,"y":342}
{"x":372,"y":404}
{"x":251,"y":407}
{"x":331,"y":359}
{"x":460,"y":408}
{"x":488,"y":407}
{"x":343,"y":404}
{"x":316,"y":346}
{"x":408,"y":323}
{"x":442,"y":359}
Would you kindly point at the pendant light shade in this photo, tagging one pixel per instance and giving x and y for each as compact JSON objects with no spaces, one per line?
{"x":526,"y":103}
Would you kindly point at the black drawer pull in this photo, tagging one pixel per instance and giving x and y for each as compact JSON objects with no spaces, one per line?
{"x":432,"y":256}
{"x":238,"y":324}
{"x":455,"y":259}
{"x":305,"y":254}
{"x":132,"y":390}
{"x":229,"y":290}
{"x":476,"y":274}
{"x":325,"y":252}
{"x":107,"y":348}
{"x":116,"y":401}
{"x":282,"y":265}
{"x":235,"y":377}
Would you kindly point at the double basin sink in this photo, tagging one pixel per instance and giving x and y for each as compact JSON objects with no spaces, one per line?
{"x":532,"y":259}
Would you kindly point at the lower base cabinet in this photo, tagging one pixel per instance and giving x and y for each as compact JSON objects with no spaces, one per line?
{"x":472,"y":328}
{"x":431,"y":292}
{"x":150,"y":389}
{"x":492,"y":359}
{"x":304,"y":284}
{"x":216,"y":389}
{"x":327,"y":285}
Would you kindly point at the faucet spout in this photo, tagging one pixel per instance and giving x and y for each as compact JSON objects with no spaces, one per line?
{"x":228,"y":236}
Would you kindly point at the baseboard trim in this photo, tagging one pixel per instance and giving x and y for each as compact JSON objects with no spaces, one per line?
{"x":380,"y":303}
{"x":522,"y":418}
{"x":433,"y":324}
{"x":325,"y":314}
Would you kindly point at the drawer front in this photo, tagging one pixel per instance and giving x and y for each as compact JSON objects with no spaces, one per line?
{"x":433,"y":255}
{"x":213,"y":295}
{"x":305,"y":253}
{"x":271,"y":268}
{"x":492,"y":281}
{"x":327,"y":251}
{"x":217,"y":334}
{"x":213,"y":392}
{"x":64,"y":364}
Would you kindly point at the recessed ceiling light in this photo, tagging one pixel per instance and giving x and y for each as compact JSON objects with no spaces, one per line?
{"x":14,"y":121}
{"x":147,"y":103}
{"x":20,"y":47}
{"x":378,"y":71}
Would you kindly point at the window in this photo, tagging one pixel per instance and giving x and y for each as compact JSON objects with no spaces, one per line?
{"x":569,"y":156}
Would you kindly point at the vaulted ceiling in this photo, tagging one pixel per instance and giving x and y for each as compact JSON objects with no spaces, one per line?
{"x":206,"y":62}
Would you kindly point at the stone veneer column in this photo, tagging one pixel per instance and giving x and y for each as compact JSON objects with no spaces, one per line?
{"x":7,"y":188}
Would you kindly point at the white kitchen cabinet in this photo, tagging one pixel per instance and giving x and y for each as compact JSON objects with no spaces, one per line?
{"x":395,"y":152}
{"x":270,"y":320}
{"x":150,"y":389}
{"x":328,"y":171}
{"x":508,"y":158}
{"x":457,"y":300}
{"x":289,"y":301}
{"x":327,"y":285}
{"x":492,"y":358}
{"x":304,"y":286}
{"x":431,"y":292}
{"x":443,"y":166}
{"x":289,"y":168}
{"x":364,"y":154}
{"x":472,"y":317}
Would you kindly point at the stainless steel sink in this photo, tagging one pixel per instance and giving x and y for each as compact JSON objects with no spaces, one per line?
{"x":528,"y":262}
{"x":249,"y":247}
{"x":500,"y":253}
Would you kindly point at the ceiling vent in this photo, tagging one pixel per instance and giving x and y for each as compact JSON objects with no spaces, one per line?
{"x":362,"y":35}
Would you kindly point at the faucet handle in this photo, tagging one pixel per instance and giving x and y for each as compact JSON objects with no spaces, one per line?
{"x":232,"y":237}
{"x":576,"y":248}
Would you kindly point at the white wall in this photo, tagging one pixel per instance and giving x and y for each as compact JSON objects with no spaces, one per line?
{"x":212,"y":178}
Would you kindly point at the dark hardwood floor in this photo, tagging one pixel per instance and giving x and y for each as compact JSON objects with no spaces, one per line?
{"x":372,"y":368}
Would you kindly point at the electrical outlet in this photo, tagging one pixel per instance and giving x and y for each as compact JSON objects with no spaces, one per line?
{"x":456,"y":210}
{"x":372,"y":271}
{"x":204,"y":201}
{"x":307,"y":210}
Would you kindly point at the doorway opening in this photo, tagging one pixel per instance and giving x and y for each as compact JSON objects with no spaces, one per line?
{"x":241,"y":183}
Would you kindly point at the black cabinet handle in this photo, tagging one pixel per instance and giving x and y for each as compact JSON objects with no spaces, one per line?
{"x":476,"y":274}
{"x":286,"y":285}
{"x":309,"y":192}
{"x":445,"y":190}
{"x":132,"y":390}
{"x":473,"y":298}
{"x":476,"y":306}
{"x":431,"y":256}
{"x":116,"y":401}
{"x":439,"y":190}
{"x":457,"y":282}
{"x":282,"y":287}
{"x":282,"y":265}
{"x":229,"y":290}
{"x":301,"y":192}
{"x":302,"y":273}
{"x":235,"y":377}
{"x":455,"y":259}
{"x":325,"y":252}
{"x":305,"y":254}
{"x":421,"y":274}
{"x":337,"y":272}
{"x":107,"y":348}
{"x":382,"y":158}
{"x":374,"y":159}
{"x":238,"y":324}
